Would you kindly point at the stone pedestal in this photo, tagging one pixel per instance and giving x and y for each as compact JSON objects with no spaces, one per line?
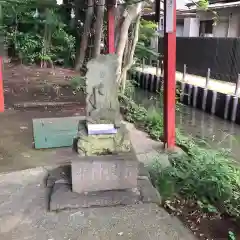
{"x":95,"y":145}
{"x":106,"y":162}
{"x":106,"y":172}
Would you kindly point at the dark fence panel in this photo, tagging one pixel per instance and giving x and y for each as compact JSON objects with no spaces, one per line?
{"x":221,"y":55}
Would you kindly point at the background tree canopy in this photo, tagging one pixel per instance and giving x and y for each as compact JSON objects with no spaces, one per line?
{"x":46,"y":33}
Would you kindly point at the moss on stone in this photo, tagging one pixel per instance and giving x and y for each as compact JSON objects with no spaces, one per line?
{"x":89,"y":145}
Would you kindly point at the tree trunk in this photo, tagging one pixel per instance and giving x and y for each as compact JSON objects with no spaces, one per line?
{"x":98,"y":28}
{"x":118,"y":23}
{"x":131,"y":50}
{"x":85,"y":35}
{"x":129,"y":15}
{"x":46,"y":40}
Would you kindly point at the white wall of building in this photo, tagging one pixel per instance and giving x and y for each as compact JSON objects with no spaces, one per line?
{"x":234,"y":23}
{"x":179,"y":29}
{"x":191,"y":27}
{"x":221,"y":29}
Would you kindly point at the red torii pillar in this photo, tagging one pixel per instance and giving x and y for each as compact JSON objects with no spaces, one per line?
{"x":169,"y":72}
{"x":110,"y":27}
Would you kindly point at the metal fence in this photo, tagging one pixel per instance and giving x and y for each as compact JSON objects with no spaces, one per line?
{"x":221,"y":55}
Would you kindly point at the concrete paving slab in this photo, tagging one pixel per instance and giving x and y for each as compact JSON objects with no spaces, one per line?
{"x":23,"y":215}
{"x":63,"y":198}
{"x":141,"y":141}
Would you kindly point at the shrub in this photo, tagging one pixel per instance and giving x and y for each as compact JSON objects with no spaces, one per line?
{"x":207,"y":176}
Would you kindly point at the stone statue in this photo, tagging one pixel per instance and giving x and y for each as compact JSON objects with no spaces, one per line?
{"x":102,"y":104}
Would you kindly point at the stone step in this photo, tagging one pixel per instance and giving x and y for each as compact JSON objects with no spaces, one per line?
{"x":25,"y":105}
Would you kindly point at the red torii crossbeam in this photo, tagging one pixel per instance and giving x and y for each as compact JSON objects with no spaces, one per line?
{"x":169,"y":72}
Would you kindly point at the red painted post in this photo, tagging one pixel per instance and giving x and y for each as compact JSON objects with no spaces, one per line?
{"x":1,"y":87}
{"x":111,"y":26}
{"x":169,"y":72}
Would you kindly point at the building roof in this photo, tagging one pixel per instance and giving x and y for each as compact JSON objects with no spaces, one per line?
{"x":217,"y":5}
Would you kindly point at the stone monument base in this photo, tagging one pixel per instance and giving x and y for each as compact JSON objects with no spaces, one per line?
{"x":105,"y":144}
{"x":61,"y":196}
{"x":105,"y":162}
{"x":105,"y":172}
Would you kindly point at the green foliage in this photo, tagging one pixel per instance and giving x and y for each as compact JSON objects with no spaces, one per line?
{"x":26,"y":45}
{"x":36,"y":31}
{"x":78,"y":83}
{"x":204,"y":205}
{"x":202,"y":4}
{"x":207,"y":176}
{"x":231,"y":236}
{"x":142,"y":51}
{"x":63,"y":47}
{"x":148,"y":30}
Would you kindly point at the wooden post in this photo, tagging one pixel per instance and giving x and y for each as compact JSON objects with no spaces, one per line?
{"x":143,"y":64}
{"x":205,"y":93}
{"x":157,"y":68}
{"x":161,"y":67}
{"x":235,"y":100}
{"x":183,"y":83}
{"x":162,"y":70}
{"x":150,"y":61}
{"x":207,"y":77}
{"x":236,"y":92}
{"x":184,"y":72}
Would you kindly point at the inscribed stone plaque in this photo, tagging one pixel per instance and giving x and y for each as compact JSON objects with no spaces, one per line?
{"x":102,"y":173}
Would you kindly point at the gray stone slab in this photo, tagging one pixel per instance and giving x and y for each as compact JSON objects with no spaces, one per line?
{"x":148,"y":157}
{"x":63,"y":198}
{"x":141,"y":141}
{"x":60,"y":174}
{"x":149,"y":194}
{"x":142,"y":170}
{"x":106,"y":172}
